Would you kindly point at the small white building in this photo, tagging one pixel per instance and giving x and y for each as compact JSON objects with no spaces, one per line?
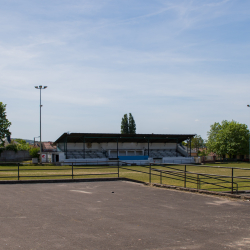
{"x":129,"y":148}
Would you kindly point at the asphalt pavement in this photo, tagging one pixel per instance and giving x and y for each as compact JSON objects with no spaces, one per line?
{"x":118,"y":215}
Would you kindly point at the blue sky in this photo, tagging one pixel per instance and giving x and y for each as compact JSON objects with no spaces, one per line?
{"x":177,"y":66}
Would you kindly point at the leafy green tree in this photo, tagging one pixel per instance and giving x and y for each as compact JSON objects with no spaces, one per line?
{"x":228,"y":138}
{"x":203,"y":152}
{"x":124,"y":125}
{"x":128,"y":125}
{"x":131,"y":125}
{"x":18,"y":144}
{"x":34,"y":152}
{"x":197,"y":142}
{"x":212,"y":135}
{"x":4,"y":124}
{"x":20,"y":141}
{"x":22,"y":144}
{"x":11,"y":147}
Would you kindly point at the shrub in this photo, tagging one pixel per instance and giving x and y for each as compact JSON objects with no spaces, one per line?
{"x":11,"y":147}
{"x":1,"y":150}
{"x":34,"y":152}
{"x":22,"y":144}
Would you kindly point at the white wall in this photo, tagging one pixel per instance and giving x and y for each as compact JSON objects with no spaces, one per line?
{"x":61,"y":156}
{"x":113,"y":145}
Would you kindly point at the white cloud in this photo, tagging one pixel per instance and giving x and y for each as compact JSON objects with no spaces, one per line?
{"x":167,"y":62}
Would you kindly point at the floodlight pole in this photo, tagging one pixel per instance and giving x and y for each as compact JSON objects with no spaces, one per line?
{"x":40,"y":87}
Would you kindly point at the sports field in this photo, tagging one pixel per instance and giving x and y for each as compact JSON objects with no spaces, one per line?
{"x":217,"y":177}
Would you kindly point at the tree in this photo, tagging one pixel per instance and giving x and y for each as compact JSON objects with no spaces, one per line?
{"x":22,"y":144}
{"x":34,"y":152}
{"x":131,"y":125}
{"x":228,"y":138}
{"x":124,"y":124}
{"x":4,"y":124}
{"x":203,"y":152}
{"x":11,"y":147}
{"x":128,"y":125}
{"x":197,"y":142}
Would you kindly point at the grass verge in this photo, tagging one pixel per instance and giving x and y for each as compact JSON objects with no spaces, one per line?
{"x":199,"y":176}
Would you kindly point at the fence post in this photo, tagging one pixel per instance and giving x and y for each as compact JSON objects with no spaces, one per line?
{"x":72,"y":171}
{"x":185,"y":176}
{"x":150,"y":173}
{"x":232,"y":187}
{"x":161,"y":177}
{"x":118,"y":169}
{"x":18,"y":172}
{"x":197,"y":181}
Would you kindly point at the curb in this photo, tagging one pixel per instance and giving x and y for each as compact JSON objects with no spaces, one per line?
{"x":193,"y":190}
{"x":62,"y":180}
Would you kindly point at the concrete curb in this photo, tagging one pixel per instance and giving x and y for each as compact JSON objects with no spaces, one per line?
{"x":193,"y":190}
{"x":62,"y":180}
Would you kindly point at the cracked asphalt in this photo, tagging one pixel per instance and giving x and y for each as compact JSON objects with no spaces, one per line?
{"x":118,"y":215}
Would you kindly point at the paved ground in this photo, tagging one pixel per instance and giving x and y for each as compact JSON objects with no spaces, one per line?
{"x":118,"y":215}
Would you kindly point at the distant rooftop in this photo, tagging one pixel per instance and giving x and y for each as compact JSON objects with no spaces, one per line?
{"x":48,"y":147}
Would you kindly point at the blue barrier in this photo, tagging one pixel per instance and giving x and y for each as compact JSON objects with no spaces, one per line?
{"x":134,"y":157}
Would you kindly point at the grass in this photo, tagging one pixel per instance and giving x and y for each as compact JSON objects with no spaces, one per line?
{"x":35,"y":172}
{"x":195,"y":172}
{"x":141,"y":173}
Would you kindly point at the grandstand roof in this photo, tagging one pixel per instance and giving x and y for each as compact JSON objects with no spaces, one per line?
{"x":104,"y":137}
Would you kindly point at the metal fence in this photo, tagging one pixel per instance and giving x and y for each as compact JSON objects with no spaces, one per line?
{"x":217,"y":178}
{"x":194,"y":176}
{"x":19,"y":171}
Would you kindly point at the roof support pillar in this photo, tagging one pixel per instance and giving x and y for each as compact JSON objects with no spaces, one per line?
{"x":176,"y":147}
{"x":66,"y":146}
{"x":117,"y":147}
{"x":84,"y":147}
{"x":190,"y":146}
{"x":148,"y":148}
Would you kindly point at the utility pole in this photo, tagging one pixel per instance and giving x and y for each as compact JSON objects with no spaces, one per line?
{"x":40,"y":87}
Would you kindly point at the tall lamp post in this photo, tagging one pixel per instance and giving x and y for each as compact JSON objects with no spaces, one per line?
{"x":249,"y":141}
{"x":40,"y":87}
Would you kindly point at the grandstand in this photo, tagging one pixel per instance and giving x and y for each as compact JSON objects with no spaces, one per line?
{"x":130,"y":148}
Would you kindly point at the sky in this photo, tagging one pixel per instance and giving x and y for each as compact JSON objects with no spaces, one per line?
{"x":177,"y":65}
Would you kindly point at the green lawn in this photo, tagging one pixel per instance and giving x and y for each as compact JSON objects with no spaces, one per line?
{"x":195,"y":177}
{"x":31,"y":172}
{"x":176,"y":177}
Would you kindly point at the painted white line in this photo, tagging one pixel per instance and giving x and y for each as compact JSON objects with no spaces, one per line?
{"x":81,"y":191}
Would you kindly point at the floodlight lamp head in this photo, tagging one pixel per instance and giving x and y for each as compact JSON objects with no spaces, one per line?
{"x":45,"y":87}
{"x":36,"y":87}
{"x":40,"y":86}
{"x":248,"y":106}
